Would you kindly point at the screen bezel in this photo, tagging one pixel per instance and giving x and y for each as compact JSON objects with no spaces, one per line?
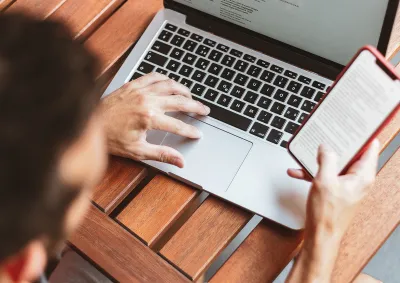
{"x":275,"y":48}
{"x":388,"y":69}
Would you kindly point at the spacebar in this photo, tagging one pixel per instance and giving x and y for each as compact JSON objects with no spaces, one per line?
{"x":226,"y":116}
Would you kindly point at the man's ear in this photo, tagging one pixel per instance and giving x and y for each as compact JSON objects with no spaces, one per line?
{"x":28,"y":264}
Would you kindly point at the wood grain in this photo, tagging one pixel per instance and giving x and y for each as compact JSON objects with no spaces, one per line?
{"x":210,"y":229}
{"x":39,"y":8}
{"x":121,"y":178}
{"x":156,"y":208}
{"x":262,"y":256}
{"x":395,"y":36}
{"x":4,"y":4}
{"x":121,"y":30}
{"x":119,"y":253}
{"x":83,"y":17}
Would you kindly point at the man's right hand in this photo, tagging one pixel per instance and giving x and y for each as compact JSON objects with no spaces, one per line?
{"x":139,"y":106}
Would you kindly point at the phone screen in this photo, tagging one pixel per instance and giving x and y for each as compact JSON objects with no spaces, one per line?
{"x":349,"y":115}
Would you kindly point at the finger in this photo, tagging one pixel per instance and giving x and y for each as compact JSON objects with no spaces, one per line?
{"x":163,"y":154}
{"x":146,"y":81}
{"x":183,"y":104}
{"x":327,"y":161}
{"x":368,"y":162}
{"x":298,"y":174}
{"x":168,"y":87}
{"x":175,"y":126}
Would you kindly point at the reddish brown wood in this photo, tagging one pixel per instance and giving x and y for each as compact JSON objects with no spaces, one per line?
{"x":119,"y":253}
{"x":5,"y":3}
{"x":39,"y":8}
{"x":122,"y":177}
{"x":210,"y":229}
{"x":156,"y":208}
{"x":395,"y":37}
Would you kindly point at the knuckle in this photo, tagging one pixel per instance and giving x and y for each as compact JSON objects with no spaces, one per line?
{"x":163,"y":156}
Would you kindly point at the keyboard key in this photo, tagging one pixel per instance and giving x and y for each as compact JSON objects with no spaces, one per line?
{"x":237,"y":91}
{"x":183,"y":32}
{"x":259,"y":130}
{"x":291,"y":128}
{"x":209,"y":42}
{"x":319,"y":96}
{"x":215,"y":69}
{"x":198,"y":89}
{"x":264,"y":117}
{"x":177,"y":40}
{"x":202,"y":50}
{"x":254,"y":84}
{"x":278,"y":122}
{"x":319,"y":85}
{"x":237,"y":105}
{"x":196,"y":37}
{"x":251,"y":97}
{"x":254,"y":71}
{"x":294,"y":100}
{"x":189,"y":59}
{"x":177,"y":53}
{"x":165,"y":35}
{"x":228,"y":61}
{"x":228,"y":74}
{"x":292,"y":113}
{"x":307,"y":92}
{"x":185,"y":71}
{"x":281,"y":81}
{"x":227,"y":116}
{"x":211,"y":81}
{"x":202,"y":63}
{"x":211,"y":94}
{"x":302,"y":118}
{"x":173,"y":65}
{"x":215,"y":55}
{"x":262,"y":63}
{"x":145,"y":68}
{"x":284,"y":144}
{"x":267,"y":90}
{"x":224,"y":100}
{"x":161,"y":47}
{"x":156,"y":58}
{"x":277,"y":69}
{"x":223,"y":47}
{"x":304,"y":79}
{"x":294,"y":86}
{"x":249,"y":58}
{"x":187,"y":83}
{"x":224,"y":86}
{"x":162,"y":71}
{"x":308,"y":106}
{"x":278,"y":108}
{"x":171,"y":27}
{"x":281,"y":95}
{"x":290,"y":74}
{"x":198,"y":76}
{"x":136,"y":76}
{"x":174,"y":77}
{"x":241,"y":66}
{"x":190,"y":45}
{"x":267,"y":76}
{"x":264,"y":102}
{"x":250,"y":111}
{"x":236,"y":53}
{"x":241,"y":79}
{"x":274,"y":136}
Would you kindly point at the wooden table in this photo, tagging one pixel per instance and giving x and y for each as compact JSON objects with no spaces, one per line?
{"x":146,"y":227}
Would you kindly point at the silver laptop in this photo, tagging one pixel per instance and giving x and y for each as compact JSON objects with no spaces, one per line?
{"x":261,"y":66}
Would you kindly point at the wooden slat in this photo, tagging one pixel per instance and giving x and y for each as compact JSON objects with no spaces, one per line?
{"x":395,"y":36}
{"x":200,"y":240}
{"x":262,"y":256}
{"x":83,"y":17}
{"x":39,"y":8}
{"x":122,"y":177}
{"x":119,"y":253}
{"x":156,"y":208}
{"x":121,"y":30}
{"x":5,"y":3}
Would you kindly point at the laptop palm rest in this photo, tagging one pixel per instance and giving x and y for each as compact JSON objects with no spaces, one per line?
{"x":210,"y":162}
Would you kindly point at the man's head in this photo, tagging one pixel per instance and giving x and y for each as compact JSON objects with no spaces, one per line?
{"x":51,"y":141}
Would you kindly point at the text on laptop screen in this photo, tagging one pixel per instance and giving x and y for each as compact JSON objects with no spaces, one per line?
{"x":334,"y":30}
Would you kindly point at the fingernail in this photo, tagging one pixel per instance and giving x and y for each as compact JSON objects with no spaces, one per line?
{"x":376,"y":143}
{"x":207,"y":109}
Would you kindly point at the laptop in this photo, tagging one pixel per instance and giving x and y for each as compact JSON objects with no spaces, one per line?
{"x":261,"y":66}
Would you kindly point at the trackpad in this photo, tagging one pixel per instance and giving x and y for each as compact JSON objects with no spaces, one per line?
{"x":212,"y":161}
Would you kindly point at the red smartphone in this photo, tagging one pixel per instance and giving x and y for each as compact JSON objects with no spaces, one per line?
{"x":365,"y":96}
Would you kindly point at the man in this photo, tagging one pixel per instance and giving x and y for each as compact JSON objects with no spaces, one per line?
{"x":52,"y":129}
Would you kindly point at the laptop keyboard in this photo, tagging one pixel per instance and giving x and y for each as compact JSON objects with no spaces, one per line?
{"x":248,"y":93}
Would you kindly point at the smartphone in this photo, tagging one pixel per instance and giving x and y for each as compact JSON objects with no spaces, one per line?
{"x":365,"y":96}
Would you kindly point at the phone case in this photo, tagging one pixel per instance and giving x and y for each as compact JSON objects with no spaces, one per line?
{"x":381,"y":59}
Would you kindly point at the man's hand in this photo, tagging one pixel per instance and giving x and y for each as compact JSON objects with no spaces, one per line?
{"x":139,"y":106}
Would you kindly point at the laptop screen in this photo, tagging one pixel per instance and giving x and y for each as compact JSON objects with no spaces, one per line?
{"x":332,"y":29}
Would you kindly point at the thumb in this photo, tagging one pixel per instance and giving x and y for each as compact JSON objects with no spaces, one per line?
{"x":327,"y":161}
{"x":162,"y":153}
